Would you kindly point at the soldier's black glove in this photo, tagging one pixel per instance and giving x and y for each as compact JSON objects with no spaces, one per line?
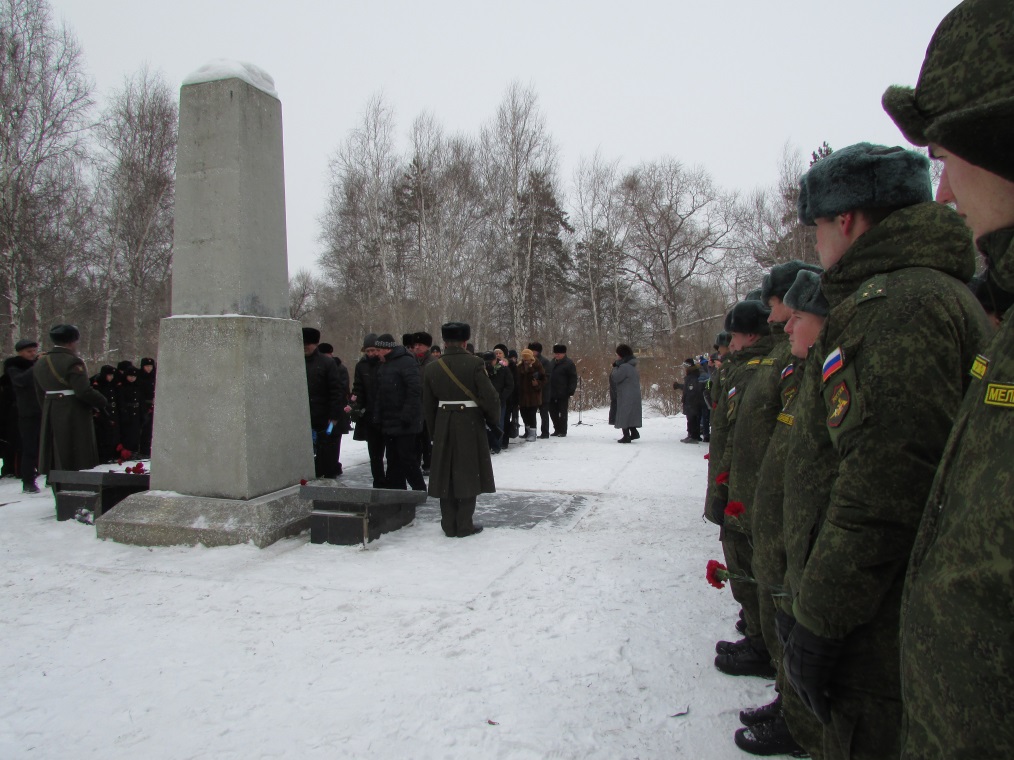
{"x":716,"y":510}
{"x":809,"y":662}
{"x":784,"y":623}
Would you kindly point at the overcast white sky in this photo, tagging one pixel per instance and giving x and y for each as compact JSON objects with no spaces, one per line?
{"x":723,"y":84}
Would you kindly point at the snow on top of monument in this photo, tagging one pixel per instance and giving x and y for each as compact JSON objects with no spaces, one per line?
{"x":225,"y":68}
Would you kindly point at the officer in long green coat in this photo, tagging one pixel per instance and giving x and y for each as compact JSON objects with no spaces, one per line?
{"x":957,"y":632}
{"x":68,"y":403}
{"x":889,"y":372}
{"x":458,"y":402}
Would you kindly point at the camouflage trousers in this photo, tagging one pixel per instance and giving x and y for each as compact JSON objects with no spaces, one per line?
{"x":739,"y":560}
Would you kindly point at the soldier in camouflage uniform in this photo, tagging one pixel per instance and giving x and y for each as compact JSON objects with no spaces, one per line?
{"x":957,"y":627}
{"x":873,"y":418}
{"x":760,"y":443}
{"x":785,"y":725}
{"x":750,"y":343}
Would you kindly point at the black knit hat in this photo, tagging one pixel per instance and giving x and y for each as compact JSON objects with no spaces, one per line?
{"x":778,"y":281}
{"x":311,"y":336}
{"x":325,"y":348}
{"x":805,"y":294}
{"x":24,"y":343}
{"x":456,"y":331}
{"x":624,"y":351}
{"x":559,"y":348}
{"x":863,"y":176}
{"x":63,"y":334}
{"x":749,"y":317}
{"x":386,"y":340}
{"x":370,"y":341}
{"x":512,"y":354}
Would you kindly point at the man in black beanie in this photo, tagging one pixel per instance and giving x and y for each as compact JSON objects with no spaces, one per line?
{"x":868,"y":434}
{"x":957,"y":631}
{"x":459,"y":401}
{"x":68,"y":404}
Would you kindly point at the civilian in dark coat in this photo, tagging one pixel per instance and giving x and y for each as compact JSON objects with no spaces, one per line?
{"x":536,"y":348}
{"x":399,"y":413}
{"x":562,"y":385}
{"x":343,"y":426}
{"x":625,"y":394}
{"x":327,"y":401}
{"x":107,"y":427}
{"x":364,"y":401}
{"x":146,"y":380}
{"x":18,"y":372}
{"x":67,"y":439}
{"x":693,"y":400}
{"x":458,"y":415}
{"x":500,"y":378}
{"x":130,"y":406}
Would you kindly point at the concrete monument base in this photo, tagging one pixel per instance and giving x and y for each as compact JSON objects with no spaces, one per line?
{"x":160,"y":518}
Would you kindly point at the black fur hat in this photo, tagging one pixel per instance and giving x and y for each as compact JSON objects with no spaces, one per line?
{"x":457,"y":331}
{"x":311,"y":336}
{"x":559,"y":348}
{"x":805,"y":294}
{"x":778,"y":281}
{"x":502,"y":347}
{"x":64,"y":334}
{"x":535,"y":346}
{"x":749,"y":317}
{"x":147,"y":361}
{"x":24,"y":343}
{"x":325,"y":348}
{"x":722,"y":339}
{"x":107,"y":369}
{"x":131,"y":372}
{"x":863,"y":176}
{"x":422,"y":337}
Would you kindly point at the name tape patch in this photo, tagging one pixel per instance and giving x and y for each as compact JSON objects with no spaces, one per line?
{"x":1000,"y":394}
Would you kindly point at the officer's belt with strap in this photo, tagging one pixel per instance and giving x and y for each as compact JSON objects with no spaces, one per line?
{"x":59,"y":393}
{"x":472,"y":403}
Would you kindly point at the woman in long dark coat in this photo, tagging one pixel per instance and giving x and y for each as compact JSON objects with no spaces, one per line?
{"x":625,"y":394}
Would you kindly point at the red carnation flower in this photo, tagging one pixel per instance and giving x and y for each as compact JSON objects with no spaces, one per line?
{"x":119,"y":448}
{"x":734,"y":508}
{"x":717,"y":573}
{"x":722,"y":479}
{"x":302,"y":482}
{"x":707,"y":456}
{"x":121,"y":460}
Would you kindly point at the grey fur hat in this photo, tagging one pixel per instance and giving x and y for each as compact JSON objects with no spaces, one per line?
{"x":750,"y":317}
{"x":805,"y":294}
{"x":63,"y":334}
{"x":863,"y":176}
{"x":778,"y":281}
{"x":722,"y":339}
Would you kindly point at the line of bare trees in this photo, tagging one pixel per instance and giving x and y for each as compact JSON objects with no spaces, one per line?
{"x":86,"y":198}
{"x":483,"y":228}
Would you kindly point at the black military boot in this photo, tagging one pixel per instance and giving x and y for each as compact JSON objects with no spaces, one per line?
{"x":741,"y":623}
{"x":754,"y":715}
{"x":728,"y":647}
{"x":771,"y":737}
{"x":750,"y":660}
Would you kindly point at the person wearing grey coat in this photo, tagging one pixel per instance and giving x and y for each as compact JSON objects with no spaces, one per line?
{"x":625,"y":394}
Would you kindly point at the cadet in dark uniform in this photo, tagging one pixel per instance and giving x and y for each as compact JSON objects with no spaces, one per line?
{"x":68,"y":401}
{"x":18,"y":372}
{"x":458,"y":401}
{"x":107,"y":429}
{"x":130,"y":410}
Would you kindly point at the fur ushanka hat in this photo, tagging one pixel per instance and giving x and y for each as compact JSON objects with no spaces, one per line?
{"x":863,"y":176}
{"x":748,"y":317}
{"x":778,"y":281}
{"x":805,"y":294}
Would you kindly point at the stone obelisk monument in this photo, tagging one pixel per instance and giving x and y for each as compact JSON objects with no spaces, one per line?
{"x":232,"y":421}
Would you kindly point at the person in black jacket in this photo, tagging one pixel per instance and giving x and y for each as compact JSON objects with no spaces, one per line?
{"x":562,"y":385}
{"x":146,"y":380}
{"x":500,"y":376}
{"x":324,"y":389}
{"x":344,"y":425}
{"x":107,"y":430}
{"x":399,"y":413}
{"x":130,"y":406}
{"x":693,"y":399}
{"x":363,"y":402}
{"x":18,"y":373}
{"x":547,"y":365}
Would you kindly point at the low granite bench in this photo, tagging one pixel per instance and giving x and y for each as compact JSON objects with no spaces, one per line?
{"x":88,"y":489}
{"x":345,"y":515}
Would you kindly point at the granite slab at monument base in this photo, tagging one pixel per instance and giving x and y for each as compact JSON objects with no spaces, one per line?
{"x":347,"y":516}
{"x":162,"y":518}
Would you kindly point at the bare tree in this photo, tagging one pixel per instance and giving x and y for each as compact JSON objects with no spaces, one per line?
{"x":302,"y":294}
{"x":680,"y":226}
{"x":44,"y":100}
{"x":134,"y":201}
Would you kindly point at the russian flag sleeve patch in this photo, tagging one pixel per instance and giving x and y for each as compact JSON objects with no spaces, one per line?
{"x":834,"y":362}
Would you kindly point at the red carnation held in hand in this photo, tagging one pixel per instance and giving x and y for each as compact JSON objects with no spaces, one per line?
{"x":717,"y":573}
{"x":723,"y":477}
{"x":734,"y":508}
{"x":302,"y":482}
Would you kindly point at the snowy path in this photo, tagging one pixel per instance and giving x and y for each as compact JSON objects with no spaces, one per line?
{"x":579,"y":639}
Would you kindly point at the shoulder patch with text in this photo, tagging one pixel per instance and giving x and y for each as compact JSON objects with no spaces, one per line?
{"x":1000,"y":394}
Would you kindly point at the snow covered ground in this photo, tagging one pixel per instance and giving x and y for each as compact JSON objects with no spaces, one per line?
{"x":588,"y":638}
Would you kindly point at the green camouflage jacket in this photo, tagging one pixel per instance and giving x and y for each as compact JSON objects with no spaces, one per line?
{"x":755,"y":421}
{"x":737,"y":372}
{"x":957,"y":639}
{"x":888,"y":374}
